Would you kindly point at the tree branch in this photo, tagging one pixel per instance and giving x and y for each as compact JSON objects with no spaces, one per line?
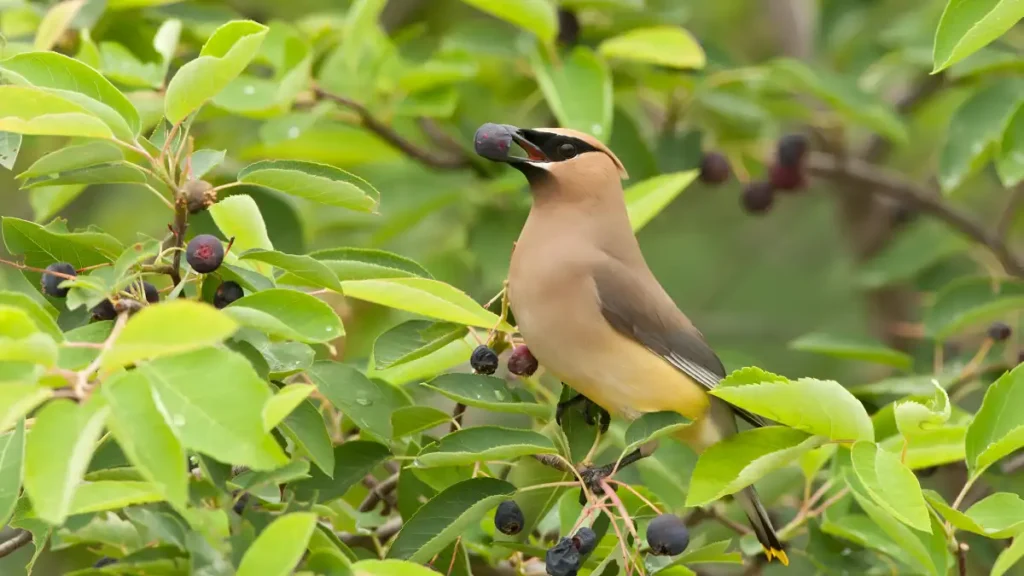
{"x":12,"y":545}
{"x":388,"y":134}
{"x":379,"y":492}
{"x":893,"y":185}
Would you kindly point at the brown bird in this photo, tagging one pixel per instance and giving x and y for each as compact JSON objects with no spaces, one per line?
{"x":591,"y":310}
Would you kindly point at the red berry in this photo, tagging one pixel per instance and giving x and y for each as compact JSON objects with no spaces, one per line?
{"x":522,"y":362}
{"x":758,"y":197}
{"x":785,"y":177}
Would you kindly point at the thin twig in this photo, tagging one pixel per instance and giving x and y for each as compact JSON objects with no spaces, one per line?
{"x":457,"y":413}
{"x":81,"y":385}
{"x":700,"y":514}
{"x":894,"y":185}
{"x":10,"y":546}
{"x":178,"y":229}
{"x":961,"y":558}
{"x":388,"y":134}
{"x":379,"y":492}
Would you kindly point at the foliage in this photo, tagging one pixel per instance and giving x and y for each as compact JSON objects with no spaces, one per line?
{"x":326,"y":422}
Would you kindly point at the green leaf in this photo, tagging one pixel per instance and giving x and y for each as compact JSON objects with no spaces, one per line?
{"x":279,"y":547}
{"x":287,"y":314}
{"x":306,"y":268}
{"x":65,"y":74}
{"x":192,"y":391}
{"x":441,"y":520}
{"x":997,"y":431}
{"x":999,"y":515}
{"x":670,"y":46}
{"x":368,"y":403}
{"x":43,"y":246}
{"x":740,"y":460}
{"x":578,"y":90}
{"x":56,"y":21}
{"x":409,"y":420}
{"x":841,"y":93}
{"x":917,"y":248}
{"x":536,"y":16}
{"x":915,"y":417}
{"x":427,"y":297}
{"x":353,"y":460}
{"x":224,"y":56}
{"x":202,"y":161}
{"x":146,"y":439}
{"x":890,"y":484}
{"x":820,"y":407}
{"x":315,"y":182}
{"x":969,"y":303}
{"x":74,"y":157}
{"x":238,"y":217}
{"x":484,"y":444}
{"x":168,"y":328}
{"x":18,"y":399}
{"x":367,"y":264}
{"x":111,"y":495}
{"x":39,"y":316}
{"x":110,"y":173}
{"x":12,"y":453}
{"x":1008,"y":557}
{"x":713,"y":553}
{"x":390,"y":568}
{"x":49,"y":200}
{"x":651,"y":426}
{"x":487,"y":392}
{"x":57,"y":453}
{"x":1010,"y":163}
{"x":283,"y":403}
{"x":645,"y":200}
{"x":853,"y":348}
{"x":35,"y":111}
{"x":929,"y":448}
{"x":305,"y":427}
{"x":10,"y":145}
{"x":976,"y":130}
{"x":969,"y":25}
{"x":414,"y":339}
{"x":269,"y":482}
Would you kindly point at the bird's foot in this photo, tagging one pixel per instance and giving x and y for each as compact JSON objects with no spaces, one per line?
{"x":594,"y":414}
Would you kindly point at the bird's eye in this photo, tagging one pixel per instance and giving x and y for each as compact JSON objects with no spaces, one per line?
{"x":566,"y":150}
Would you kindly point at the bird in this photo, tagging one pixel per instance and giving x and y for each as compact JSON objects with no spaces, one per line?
{"x":592,"y":311}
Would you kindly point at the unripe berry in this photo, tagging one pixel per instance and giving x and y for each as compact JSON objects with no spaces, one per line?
{"x":522,"y":362}
{"x":667,"y":535}
{"x":227,"y":293}
{"x":509,"y":519}
{"x":484,"y":360}
{"x":714,"y":168}
{"x":204,"y":253}
{"x":199,"y":194}
{"x":758,"y":197}
{"x":51,"y":282}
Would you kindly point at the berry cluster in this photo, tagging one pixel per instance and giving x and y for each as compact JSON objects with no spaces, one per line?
{"x":485,"y":361}
{"x":786,"y":173}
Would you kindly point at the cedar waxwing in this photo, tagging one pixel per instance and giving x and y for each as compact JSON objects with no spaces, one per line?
{"x":591,"y":310}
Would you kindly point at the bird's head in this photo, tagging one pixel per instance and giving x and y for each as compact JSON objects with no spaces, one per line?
{"x":551,"y":158}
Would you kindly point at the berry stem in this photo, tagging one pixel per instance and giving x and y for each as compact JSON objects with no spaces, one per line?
{"x":636,"y":493}
{"x":20,"y":266}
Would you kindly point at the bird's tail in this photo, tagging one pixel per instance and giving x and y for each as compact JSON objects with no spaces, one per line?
{"x":762,"y":525}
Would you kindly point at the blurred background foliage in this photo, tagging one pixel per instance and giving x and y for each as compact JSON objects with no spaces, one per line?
{"x":832,"y":259}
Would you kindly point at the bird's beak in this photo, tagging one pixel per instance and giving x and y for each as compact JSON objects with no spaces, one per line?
{"x":498,"y":142}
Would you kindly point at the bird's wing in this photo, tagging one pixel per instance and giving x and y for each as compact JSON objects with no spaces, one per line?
{"x":652,"y":319}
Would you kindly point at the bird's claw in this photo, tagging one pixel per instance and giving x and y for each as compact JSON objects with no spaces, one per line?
{"x":594,"y":414}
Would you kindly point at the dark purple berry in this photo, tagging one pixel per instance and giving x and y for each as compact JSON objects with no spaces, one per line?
{"x":227,"y":293}
{"x":509,"y":519}
{"x":152,"y":294}
{"x":51,"y":282}
{"x":667,"y":535}
{"x":999,"y":331}
{"x":522,"y":362}
{"x":1020,"y":357}
{"x":204,"y":253}
{"x":792,"y":149}
{"x":758,"y":197}
{"x":562,"y":559}
{"x":105,"y":561}
{"x":104,"y":311}
{"x":484,"y":360}
{"x":784,"y":177}
{"x":714,"y":168}
{"x":568,"y":28}
{"x":584,"y":540}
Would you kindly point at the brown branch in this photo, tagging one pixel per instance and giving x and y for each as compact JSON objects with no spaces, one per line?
{"x":381,"y":491}
{"x":389,"y":135}
{"x":10,"y":546}
{"x":178,"y":232}
{"x":700,"y":514}
{"x":961,"y":558}
{"x":457,"y":413}
{"x":552,"y":461}
{"x":383,"y":533}
{"x":893,"y":185}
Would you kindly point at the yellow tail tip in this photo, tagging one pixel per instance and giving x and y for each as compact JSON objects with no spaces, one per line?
{"x":780,"y":554}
